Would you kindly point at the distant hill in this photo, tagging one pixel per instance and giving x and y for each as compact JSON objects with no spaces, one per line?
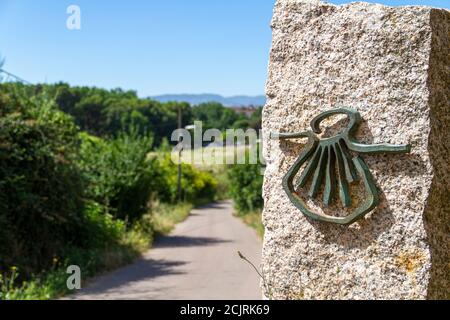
{"x":195,"y":99}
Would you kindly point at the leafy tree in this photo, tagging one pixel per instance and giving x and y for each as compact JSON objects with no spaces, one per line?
{"x":215,"y":115}
{"x":106,"y":113}
{"x":255,"y":119}
{"x":119,"y":176}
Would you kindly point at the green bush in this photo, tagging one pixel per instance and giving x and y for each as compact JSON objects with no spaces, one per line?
{"x":101,"y":228}
{"x":197,"y":186}
{"x":119,"y":174}
{"x":246,"y":186}
{"x":40,"y":186}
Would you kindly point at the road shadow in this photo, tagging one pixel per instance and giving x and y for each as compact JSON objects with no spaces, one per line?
{"x":213,"y":205}
{"x":143,"y":269}
{"x":186,"y":241}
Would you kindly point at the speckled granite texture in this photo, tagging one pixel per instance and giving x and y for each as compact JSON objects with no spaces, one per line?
{"x":392,"y":65}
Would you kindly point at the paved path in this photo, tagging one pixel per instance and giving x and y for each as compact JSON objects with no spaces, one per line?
{"x":198,"y":260}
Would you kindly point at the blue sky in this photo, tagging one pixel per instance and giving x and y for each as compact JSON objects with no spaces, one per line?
{"x":152,"y":46}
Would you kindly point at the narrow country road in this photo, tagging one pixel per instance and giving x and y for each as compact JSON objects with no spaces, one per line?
{"x":198,"y":260}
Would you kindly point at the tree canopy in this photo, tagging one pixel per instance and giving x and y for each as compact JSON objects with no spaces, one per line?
{"x":106,"y":113}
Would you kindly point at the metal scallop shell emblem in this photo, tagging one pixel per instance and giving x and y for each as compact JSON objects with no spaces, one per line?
{"x":334,"y":163}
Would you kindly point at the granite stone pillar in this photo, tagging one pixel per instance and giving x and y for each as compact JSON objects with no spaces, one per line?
{"x":391,"y":64}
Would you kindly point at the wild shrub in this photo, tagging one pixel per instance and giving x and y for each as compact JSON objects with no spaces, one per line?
{"x":118,"y":173}
{"x":245,"y":186}
{"x":197,"y":186}
{"x":40,"y":186}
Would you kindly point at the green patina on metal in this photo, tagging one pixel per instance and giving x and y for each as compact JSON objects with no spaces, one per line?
{"x":331,"y":162}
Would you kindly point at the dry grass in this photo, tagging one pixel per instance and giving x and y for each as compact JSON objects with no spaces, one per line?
{"x":165,"y":217}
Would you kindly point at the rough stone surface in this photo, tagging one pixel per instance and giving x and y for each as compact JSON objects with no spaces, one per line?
{"x":392,"y":64}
